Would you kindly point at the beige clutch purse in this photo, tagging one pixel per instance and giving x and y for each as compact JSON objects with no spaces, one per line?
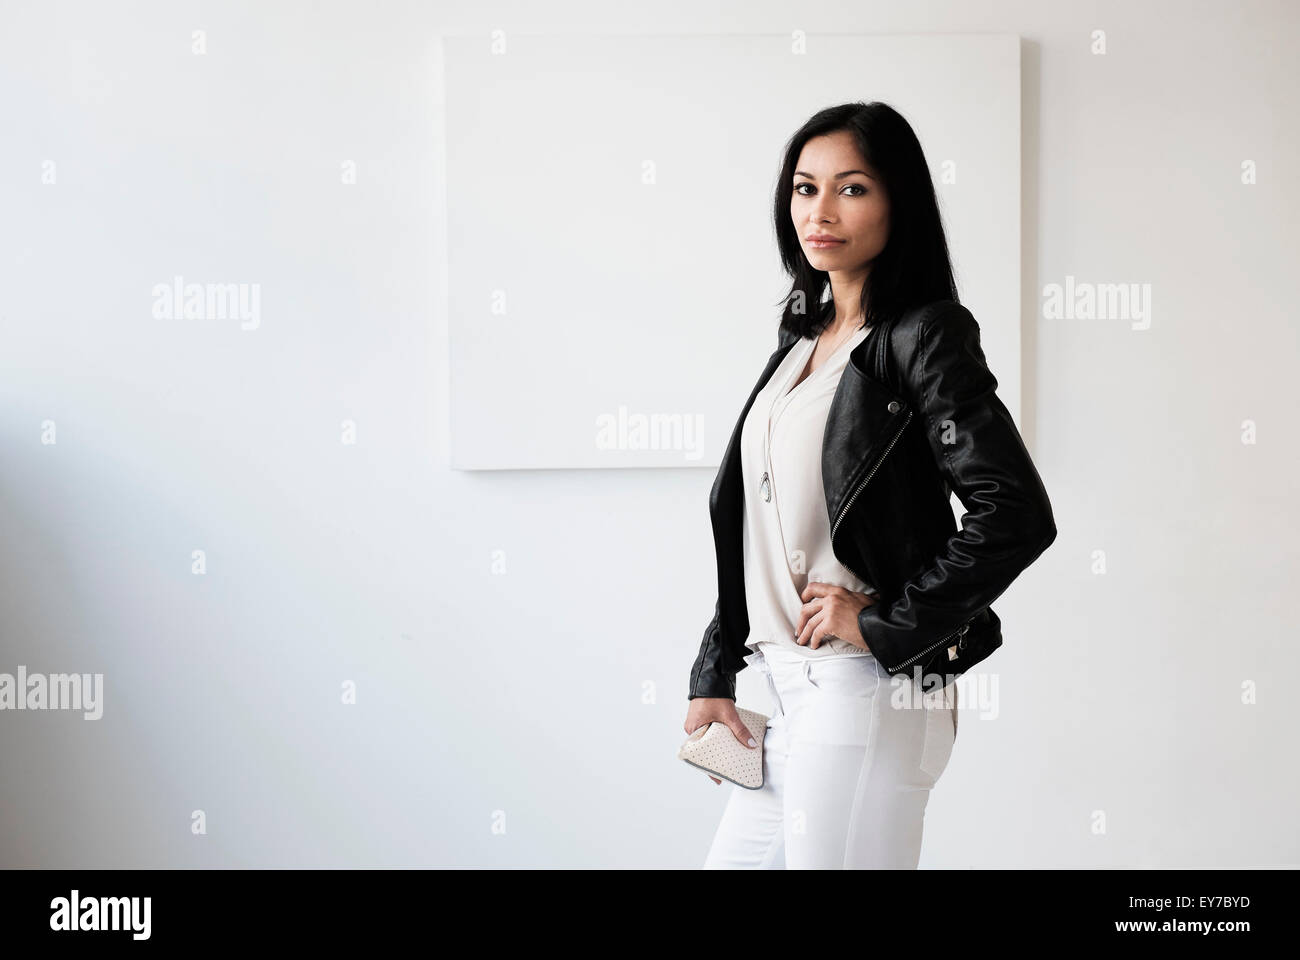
{"x":714,"y":748}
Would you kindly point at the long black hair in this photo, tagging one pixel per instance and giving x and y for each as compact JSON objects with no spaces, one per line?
{"x":914,"y":268}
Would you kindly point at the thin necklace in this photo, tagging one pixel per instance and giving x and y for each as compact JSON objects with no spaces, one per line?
{"x":852,"y":331}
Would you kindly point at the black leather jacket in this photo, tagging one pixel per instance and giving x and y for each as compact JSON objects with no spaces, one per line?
{"x":914,"y":418}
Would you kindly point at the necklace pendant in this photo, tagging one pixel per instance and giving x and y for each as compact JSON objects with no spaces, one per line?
{"x":765,"y":488}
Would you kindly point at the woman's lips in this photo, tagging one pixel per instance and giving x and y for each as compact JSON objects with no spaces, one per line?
{"x":825,"y":244}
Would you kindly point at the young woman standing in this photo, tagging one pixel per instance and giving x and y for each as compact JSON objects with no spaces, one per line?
{"x":828,"y":481}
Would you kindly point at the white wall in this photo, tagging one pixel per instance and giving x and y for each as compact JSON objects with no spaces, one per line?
{"x":483,"y":691}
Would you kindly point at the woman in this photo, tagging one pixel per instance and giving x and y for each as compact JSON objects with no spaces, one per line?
{"x":841,"y":573}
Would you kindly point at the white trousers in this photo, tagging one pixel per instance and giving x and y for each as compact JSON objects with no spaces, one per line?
{"x":849,"y":759}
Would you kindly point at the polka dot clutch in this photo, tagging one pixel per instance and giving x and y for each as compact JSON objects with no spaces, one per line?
{"x":715,"y":749}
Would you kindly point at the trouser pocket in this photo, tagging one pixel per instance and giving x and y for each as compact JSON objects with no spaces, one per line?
{"x":940,"y":730}
{"x":843,"y":676}
{"x":759,"y":662}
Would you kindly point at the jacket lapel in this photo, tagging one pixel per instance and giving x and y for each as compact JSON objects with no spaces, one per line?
{"x":864,"y":418}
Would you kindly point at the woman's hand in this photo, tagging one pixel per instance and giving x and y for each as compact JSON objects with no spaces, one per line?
{"x":830,"y":611}
{"x":704,"y":710}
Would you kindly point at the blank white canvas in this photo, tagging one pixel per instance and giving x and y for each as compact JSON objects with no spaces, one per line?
{"x":611,"y":259}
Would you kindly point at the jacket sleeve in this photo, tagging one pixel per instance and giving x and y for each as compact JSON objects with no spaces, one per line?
{"x":712,"y":675}
{"x":980,"y":453}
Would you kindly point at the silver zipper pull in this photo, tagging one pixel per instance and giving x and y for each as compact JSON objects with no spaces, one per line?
{"x":765,"y":488}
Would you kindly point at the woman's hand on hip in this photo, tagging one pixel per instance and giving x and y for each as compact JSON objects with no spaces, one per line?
{"x":830,"y":612}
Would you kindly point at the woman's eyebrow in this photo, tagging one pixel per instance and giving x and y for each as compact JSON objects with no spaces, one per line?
{"x":838,"y":176}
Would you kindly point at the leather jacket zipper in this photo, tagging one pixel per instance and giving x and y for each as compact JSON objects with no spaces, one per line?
{"x":959,"y":632}
{"x":861,"y":486}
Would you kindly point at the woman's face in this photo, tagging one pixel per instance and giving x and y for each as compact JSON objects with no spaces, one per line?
{"x":837,"y":194}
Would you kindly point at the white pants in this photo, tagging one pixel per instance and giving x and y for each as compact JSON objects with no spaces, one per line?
{"x":849,"y":759}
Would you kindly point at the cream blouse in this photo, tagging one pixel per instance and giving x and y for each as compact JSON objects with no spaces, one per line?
{"x":787,"y":535}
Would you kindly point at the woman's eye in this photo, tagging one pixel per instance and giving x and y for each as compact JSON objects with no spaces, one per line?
{"x":798,"y":188}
